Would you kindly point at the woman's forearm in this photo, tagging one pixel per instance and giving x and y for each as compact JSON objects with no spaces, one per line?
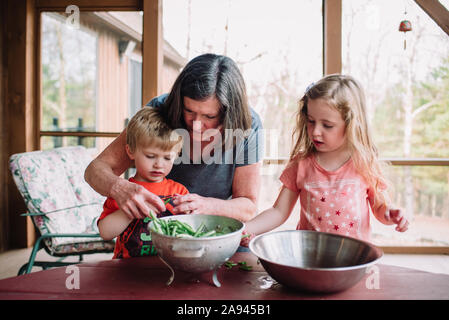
{"x":101,"y":178}
{"x":103,"y":173}
{"x":242,"y":209}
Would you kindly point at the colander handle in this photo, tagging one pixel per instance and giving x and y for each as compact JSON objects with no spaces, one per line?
{"x":183,"y":252}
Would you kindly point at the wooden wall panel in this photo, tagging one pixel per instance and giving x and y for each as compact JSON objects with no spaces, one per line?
{"x":152,"y":50}
{"x":112,"y":86}
{"x":20,"y":112}
{"x":4,"y":217}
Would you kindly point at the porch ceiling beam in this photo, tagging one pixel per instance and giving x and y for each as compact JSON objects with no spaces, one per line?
{"x":332,"y":36}
{"x":90,"y":5}
{"x":437,"y":12}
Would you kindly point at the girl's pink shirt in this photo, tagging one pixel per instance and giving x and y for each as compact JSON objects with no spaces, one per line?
{"x":331,"y":201}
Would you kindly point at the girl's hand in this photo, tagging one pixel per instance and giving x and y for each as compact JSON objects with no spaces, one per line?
{"x":395,"y":216}
{"x":191,"y":203}
{"x":246,"y":238}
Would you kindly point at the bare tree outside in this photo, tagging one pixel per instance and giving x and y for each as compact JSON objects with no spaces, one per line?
{"x":278,"y":47}
{"x":404,"y":92}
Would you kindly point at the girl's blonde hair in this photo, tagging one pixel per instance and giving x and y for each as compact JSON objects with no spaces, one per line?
{"x":148,"y":128}
{"x":346,"y":95}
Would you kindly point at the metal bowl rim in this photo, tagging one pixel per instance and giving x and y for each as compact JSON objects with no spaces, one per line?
{"x":359,"y":266}
{"x":197,"y":239}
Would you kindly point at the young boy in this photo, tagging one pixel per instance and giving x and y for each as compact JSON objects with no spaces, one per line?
{"x":153,"y":146}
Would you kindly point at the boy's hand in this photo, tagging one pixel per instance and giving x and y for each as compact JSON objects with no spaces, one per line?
{"x":396,"y":216}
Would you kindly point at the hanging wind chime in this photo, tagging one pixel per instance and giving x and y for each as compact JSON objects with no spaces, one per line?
{"x":405,"y":26}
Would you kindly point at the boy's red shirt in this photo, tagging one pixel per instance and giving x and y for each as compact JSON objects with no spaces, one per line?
{"x":135,"y":240}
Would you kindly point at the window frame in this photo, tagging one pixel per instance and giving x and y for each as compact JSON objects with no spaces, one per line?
{"x":152,"y":54}
{"x":152,"y":58}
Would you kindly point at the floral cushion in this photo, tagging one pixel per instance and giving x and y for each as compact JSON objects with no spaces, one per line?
{"x":52,"y":184}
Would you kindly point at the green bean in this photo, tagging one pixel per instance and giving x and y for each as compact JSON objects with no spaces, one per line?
{"x":242,"y":265}
{"x":156,"y":227}
{"x":153,"y":216}
{"x":189,"y":228}
{"x":246,"y":268}
{"x":186,"y":227}
{"x":177,"y":228}
{"x":229,"y":264}
{"x":164,"y":226}
{"x":208,"y":234}
{"x":185,"y":235}
{"x":199,"y":229}
{"x":156,"y":222}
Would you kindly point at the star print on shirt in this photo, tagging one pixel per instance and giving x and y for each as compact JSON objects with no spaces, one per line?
{"x":338,"y":212}
{"x":323,"y":199}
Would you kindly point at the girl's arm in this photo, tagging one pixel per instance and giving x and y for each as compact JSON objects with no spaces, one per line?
{"x":113,"y":225}
{"x":275,"y":216}
{"x":388,"y":215}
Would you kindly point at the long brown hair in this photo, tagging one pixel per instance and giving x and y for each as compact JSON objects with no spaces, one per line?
{"x":206,"y":76}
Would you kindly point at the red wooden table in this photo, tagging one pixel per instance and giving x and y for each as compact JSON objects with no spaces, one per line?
{"x":145,"y":278}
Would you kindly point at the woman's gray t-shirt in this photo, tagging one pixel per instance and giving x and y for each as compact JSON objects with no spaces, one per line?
{"x":214,"y":179}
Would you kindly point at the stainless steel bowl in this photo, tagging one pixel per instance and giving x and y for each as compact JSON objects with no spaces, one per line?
{"x":314,"y":261}
{"x":198,"y":255}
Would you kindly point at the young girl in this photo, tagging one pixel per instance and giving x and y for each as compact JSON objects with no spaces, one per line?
{"x":333,"y":167}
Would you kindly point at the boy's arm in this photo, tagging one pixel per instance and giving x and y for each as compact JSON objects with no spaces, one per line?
{"x":113,"y":225}
{"x":275,"y":216}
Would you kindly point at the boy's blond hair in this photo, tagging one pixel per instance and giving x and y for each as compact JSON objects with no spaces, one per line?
{"x":347,"y":96}
{"x":147,"y":128}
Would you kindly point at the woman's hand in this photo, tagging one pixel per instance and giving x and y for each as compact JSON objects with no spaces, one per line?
{"x":396,"y":216}
{"x":192,"y":203}
{"x":134,"y":200}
